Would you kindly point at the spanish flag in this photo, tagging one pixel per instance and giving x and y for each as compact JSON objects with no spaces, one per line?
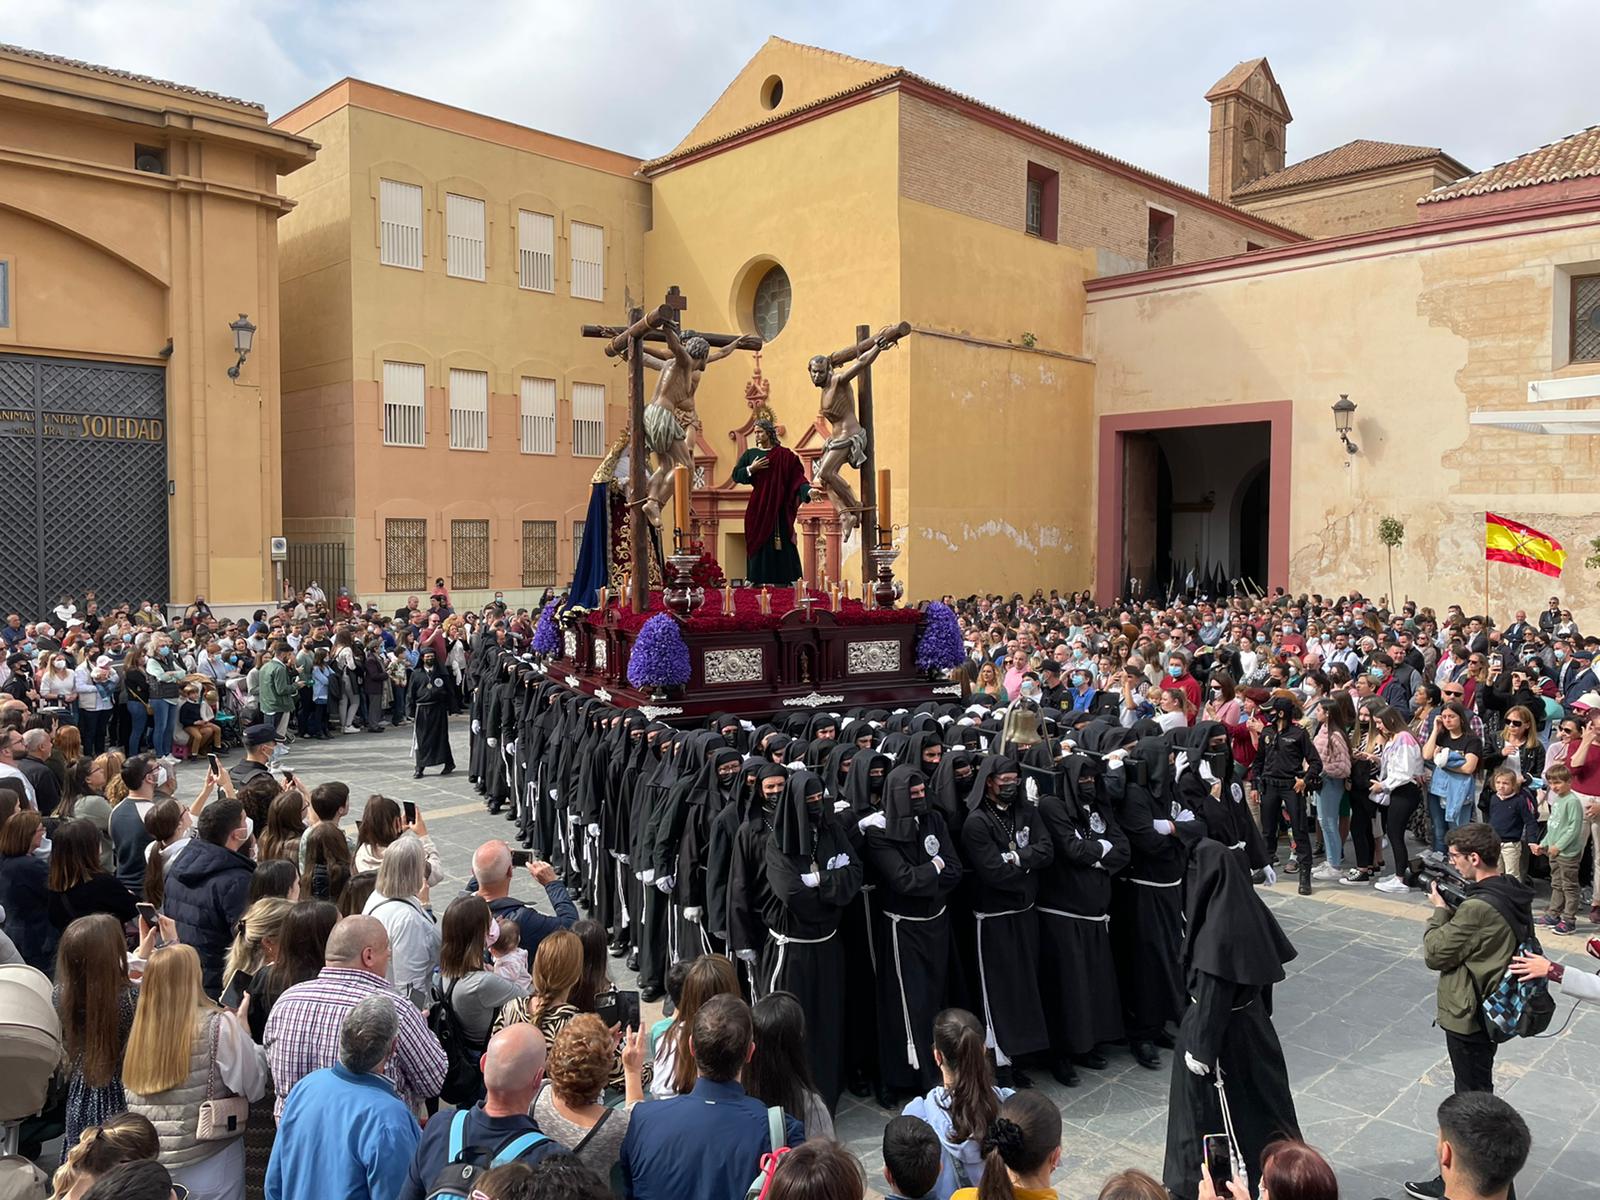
{"x":1520,"y":545}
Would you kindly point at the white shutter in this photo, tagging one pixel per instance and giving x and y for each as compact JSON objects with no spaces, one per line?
{"x":536,"y":251}
{"x":588,"y":261}
{"x":404,"y":419}
{"x":588,"y":420}
{"x":463,"y":219}
{"x":538,"y":416}
{"x":400,"y":218}
{"x":469,"y":410}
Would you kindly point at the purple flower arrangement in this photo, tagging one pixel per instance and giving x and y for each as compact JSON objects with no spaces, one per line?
{"x":660,"y":657}
{"x":545,"y":638}
{"x":940,"y":647}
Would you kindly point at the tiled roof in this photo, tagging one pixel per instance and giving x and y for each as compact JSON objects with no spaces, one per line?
{"x":823,"y":50}
{"x":1573,"y":157}
{"x":898,"y":74}
{"x":1352,"y":158}
{"x":113,"y":72}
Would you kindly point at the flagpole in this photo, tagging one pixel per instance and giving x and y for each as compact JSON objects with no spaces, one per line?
{"x":1486,"y":571}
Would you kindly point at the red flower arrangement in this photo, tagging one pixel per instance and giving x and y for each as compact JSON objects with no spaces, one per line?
{"x":747,"y":614}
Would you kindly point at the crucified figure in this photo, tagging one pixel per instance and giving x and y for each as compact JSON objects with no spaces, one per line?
{"x":670,"y":417}
{"x":847,"y":441}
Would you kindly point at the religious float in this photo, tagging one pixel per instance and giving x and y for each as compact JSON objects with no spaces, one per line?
{"x":666,"y":633}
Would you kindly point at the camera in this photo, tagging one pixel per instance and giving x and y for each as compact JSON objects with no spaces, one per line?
{"x":1431,"y":867}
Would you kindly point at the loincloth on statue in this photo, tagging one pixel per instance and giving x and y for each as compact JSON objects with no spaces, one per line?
{"x":662,"y":429}
{"x":856,"y":443}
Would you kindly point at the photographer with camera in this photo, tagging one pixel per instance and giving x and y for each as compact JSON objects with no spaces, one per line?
{"x":1475,"y":929}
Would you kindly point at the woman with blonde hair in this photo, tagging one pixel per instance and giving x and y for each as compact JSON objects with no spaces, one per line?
{"x":124,"y":1138}
{"x":709,"y":975}
{"x":183,"y":1052}
{"x":987,"y":683}
{"x":255,"y":943}
{"x":557,"y":971}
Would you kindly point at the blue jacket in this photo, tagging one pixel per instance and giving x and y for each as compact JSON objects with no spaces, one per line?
{"x":206,"y":894}
{"x":707,"y":1144}
{"x":532,"y":924}
{"x":342,"y":1137}
{"x":486,"y":1133}
{"x":24,"y":897}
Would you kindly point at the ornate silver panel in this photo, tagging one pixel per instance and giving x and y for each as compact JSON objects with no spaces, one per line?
{"x":812,"y":700}
{"x":733,"y":666}
{"x":599,"y":653}
{"x":569,"y":643}
{"x":871,"y":658}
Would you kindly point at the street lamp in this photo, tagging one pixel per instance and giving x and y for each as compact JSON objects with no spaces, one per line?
{"x":244,"y":336}
{"x":1344,"y":414}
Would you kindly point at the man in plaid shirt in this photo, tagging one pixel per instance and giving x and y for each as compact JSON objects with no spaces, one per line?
{"x":302,"y":1033}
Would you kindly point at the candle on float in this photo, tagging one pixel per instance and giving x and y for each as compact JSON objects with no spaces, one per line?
{"x":600,"y":602}
{"x":680,"y":487}
{"x":727,"y":599}
{"x":885,"y":507}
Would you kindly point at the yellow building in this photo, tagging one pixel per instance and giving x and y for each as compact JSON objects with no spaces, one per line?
{"x":138,"y":220}
{"x":443,"y":415}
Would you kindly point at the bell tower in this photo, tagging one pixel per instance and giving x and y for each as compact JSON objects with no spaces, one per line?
{"x":1248,"y":119}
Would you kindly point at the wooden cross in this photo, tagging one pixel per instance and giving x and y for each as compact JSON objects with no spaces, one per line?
{"x":629,"y":341}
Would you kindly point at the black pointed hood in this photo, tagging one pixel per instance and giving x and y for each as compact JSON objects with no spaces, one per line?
{"x":992,"y":765}
{"x":903,"y":814}
{"x":1230,"y":933}
{"x":834,"y":769}
{"x":793,"y":829}
{"x":858,"y":784}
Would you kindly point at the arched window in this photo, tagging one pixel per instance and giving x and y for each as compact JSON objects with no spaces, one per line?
{"x":1272,"y":157}
{"x":1249,"y":152}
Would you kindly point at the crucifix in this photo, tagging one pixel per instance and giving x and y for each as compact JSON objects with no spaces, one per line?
{"x":665,"y":426}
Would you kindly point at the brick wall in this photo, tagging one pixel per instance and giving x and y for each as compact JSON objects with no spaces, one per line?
{"x":953,"y":161}
{"x":1351,"y":205}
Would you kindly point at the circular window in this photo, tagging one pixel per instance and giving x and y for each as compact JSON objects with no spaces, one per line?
{"x":772,"y":92}
{"x":771,"y":307}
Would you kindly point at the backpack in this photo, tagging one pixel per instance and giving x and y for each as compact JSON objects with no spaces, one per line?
{"x":769,"y":1161}
{"x":1518,"y":1007}
{"x":463,"y":1077}
{"x":464,"y":1164}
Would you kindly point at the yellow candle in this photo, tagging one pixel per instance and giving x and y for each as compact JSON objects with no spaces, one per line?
{"x":727,"y":600}
{"x":885,"y":506}
{"x":680,"y":486}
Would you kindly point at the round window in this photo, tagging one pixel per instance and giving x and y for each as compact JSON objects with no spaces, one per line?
{"x":772,"y":92}
{"x":771,"y":307}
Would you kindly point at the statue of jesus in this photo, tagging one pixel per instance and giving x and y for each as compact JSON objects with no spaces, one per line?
{"x":778,"y":488}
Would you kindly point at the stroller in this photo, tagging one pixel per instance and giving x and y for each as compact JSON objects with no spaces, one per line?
{"x":30,"y":1053}
{"x":236,"y":711}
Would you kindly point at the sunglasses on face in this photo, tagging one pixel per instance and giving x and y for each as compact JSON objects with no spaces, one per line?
{"x":1449,"y":695}
{"x":1516,"y":724}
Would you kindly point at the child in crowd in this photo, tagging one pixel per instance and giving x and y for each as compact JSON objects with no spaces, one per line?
{"x":510,"y":960}
{"x":676,"y":974}
{"x":911,"y":1158}
{"x":1563,"y":845}
{"x":1514,"y":816}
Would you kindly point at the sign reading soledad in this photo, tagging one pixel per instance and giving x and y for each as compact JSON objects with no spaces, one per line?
{"x":19,"y":422}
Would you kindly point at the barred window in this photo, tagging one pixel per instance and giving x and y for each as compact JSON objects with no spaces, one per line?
{"x":538,"y":554}
{"x":577,"y":540}
{"x":469,"y":410}
{"x":405,"y":554}
{"x":588,"y":261}
{"x":469,"y":554}
{"x":588,"y":420}
{"x":538,"y":416}
{"x":464,"y":236}
{"x":1586,"y":318}
{"x":536,"y":251}
{"x":400,"y":221}
{"x":404,"y":415}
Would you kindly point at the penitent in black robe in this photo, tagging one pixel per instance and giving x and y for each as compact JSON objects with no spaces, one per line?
{"x":1234,"y":954}
{"x":429,"y":702}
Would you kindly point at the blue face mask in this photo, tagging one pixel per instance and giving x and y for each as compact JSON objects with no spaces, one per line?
{"x":165,"y":651}
{"x":234,"y":659}
{"x":1376,"y":672}
{"x":1078,"y":680}
{"x":1560,"y":655}
{"x":1175,"y":671}
{"x":127,"y":637}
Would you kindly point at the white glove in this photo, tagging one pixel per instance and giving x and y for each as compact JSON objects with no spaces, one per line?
{"x":1196,"y":1067}
{"x":476,"y":728}
{"x":811,"y":879}
{"x":748,"y":956}
{"x":1184,"y":815}
{"x":511,"y":746}
{"x":622,"y":858}
{"x":837,"y":861}
{"x":1164,"y":828}
{"x":665,"y":884}
{"x":840,"y":805}
{"x":1270,"y":875}
{"x":1179,"y":763}
{"x":493,"y":743}
{"x":1113,"y":764}
{"x":693,"y":914}
{"x":938,"y":864}
{"x":1206,"y":773}
{"x":1011,"y":857}
{"x":648,"y":877}
{"x":876,"y":821}
{"x":574,"y":820}
{"x":594,"y":830}
{"x":1105,"y":847}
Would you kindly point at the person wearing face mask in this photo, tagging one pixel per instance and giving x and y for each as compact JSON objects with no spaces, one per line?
{"x":208,"y":887}
{"x":1178,"y":676}
{"x":912,"y":857}
{"x":58,"y":686}
{"x":794,"y":873}
{"x":260,"y":748}
{"x":1082,"y":693}
{"x":688,"y":830}
{"x":1290,"y":771}
{"x":166,"y":678}
{"x":428,"y":701}
{"x":1006,"y":844}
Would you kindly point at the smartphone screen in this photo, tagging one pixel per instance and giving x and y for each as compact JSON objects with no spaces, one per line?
{"x":1218,"y":1161}
{"x":521,"y":858}
{"x":148,"y":912}
{"x":216,"y":764}
{"x":237,"y":986}
{"x":410,"y":807}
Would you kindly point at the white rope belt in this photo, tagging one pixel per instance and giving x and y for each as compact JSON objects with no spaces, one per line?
{"x":989,"y":1039}
{"x":899,"y":976}
{"x":1151,"y":882}
{"x":1056,"y":912}
{"x":784,"y":940}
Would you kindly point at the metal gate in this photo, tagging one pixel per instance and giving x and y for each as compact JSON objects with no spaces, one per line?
{"x":83,"y":482}
{"x":319,"y":562}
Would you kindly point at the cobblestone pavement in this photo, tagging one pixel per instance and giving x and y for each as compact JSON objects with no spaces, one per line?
{"x":1367,"y":1067}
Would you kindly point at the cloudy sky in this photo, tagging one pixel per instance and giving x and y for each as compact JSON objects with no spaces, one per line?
{"x":1482,"y":79}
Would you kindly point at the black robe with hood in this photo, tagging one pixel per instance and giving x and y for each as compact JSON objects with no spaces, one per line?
{"x":1225,"y":815}
{"x":428,"y":702}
